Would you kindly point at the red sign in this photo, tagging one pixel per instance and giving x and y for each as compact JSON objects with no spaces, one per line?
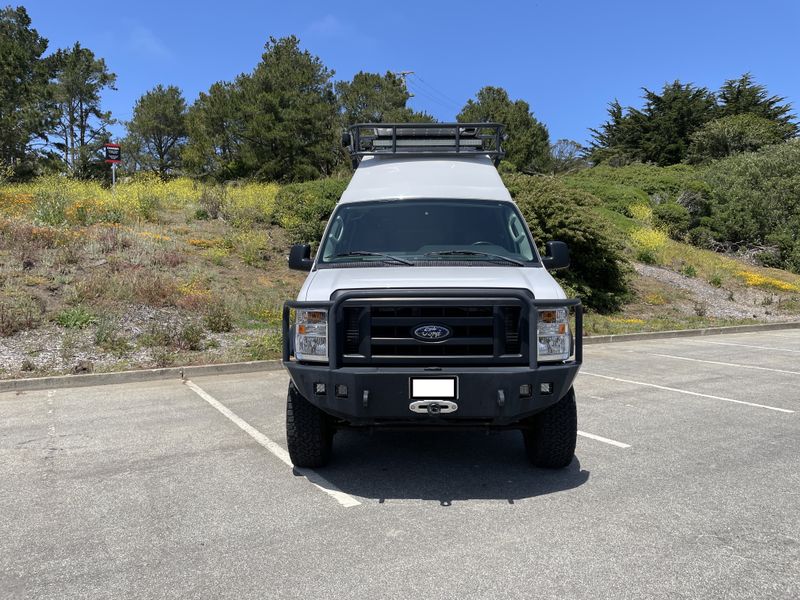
{"x":113,"y":153}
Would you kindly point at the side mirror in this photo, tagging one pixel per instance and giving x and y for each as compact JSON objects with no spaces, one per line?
{"x":557,"y":256}
{"x":300,"y":257}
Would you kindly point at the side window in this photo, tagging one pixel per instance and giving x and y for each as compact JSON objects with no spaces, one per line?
{"x":334,"y":237}
{"x":517,"y":231}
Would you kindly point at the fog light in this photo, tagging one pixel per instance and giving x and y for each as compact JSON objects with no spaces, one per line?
{"x":319,"y":389}
{"x":546,"y":388}
{"x":525,"y":390}
{"x":341,"y":390}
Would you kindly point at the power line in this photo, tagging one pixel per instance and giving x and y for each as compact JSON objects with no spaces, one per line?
{"x":436,"y":92}
{"x":421,"y":93}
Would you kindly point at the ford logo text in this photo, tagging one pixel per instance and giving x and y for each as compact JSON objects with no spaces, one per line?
{"x":432,"y":333}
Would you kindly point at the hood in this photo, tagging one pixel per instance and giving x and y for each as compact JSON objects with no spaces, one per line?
{"x":323,"y":282}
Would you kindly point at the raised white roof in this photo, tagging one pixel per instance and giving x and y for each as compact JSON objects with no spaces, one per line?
{"x":381,"y":178}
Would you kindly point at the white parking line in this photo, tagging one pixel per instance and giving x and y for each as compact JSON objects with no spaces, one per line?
{"x":599,"y":438}
{"x":743,"y":345}
{"x":313,"y":477}
{"x":687,"y":392}
{"x":791,"y":334}
{"x":725,"y":364}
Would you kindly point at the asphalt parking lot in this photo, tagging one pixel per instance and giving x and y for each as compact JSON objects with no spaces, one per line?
{"x":686,"y":484}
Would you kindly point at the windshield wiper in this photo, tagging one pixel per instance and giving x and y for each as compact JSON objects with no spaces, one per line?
{"x":475,"y":253}
{"x":379,"y":254}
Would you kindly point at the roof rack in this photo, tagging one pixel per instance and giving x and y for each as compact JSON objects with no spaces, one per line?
{"x":424,"y":140}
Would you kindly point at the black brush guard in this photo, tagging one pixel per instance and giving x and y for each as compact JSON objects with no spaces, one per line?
{"x":375,"y":392}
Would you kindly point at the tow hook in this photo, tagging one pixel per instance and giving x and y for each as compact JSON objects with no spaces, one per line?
{"x":433,"y":407}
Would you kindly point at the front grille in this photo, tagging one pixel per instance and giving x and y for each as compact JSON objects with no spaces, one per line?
{"x":383,"y":334}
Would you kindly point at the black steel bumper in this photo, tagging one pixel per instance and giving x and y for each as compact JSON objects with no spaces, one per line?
{"x":486,"y":396}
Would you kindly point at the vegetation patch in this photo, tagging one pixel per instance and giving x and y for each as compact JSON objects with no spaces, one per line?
{"x":75,"y":318}
{"x":763,"y":281}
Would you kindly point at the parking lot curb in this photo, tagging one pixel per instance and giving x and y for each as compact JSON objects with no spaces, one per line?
{"x":65,"y":381}
{"x":678,"y":333}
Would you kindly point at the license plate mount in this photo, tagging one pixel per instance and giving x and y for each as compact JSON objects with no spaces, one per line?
{"x":433,"y":388}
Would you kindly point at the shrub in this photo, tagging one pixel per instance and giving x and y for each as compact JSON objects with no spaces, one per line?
{"x":302,"y":209}
{"x":755,"y":200}
{"x":109,"y":339}
{"x":211,"y":201}
{"x":641,"y":212}
{"x":50,"y":204}
{"x":216,"y":255}
{"x":111,"y":238}
{"x":186,"y":337}
{"x":729,"y":135}
{"x":648,"y":245}
{"x":249,"y":204}
{"x":218,"y":318}
{"x":76,"y":317}
{"x":266,"y":347}
{"x":157,"y":335}
{"x":253,"y":246}
{"x":672,"y":218}
{"x":19,"y":314}
{"x":702,"y":237}
{"x":599,"y":271}
{"x":619,"y":187}
{"x":190,"y":337}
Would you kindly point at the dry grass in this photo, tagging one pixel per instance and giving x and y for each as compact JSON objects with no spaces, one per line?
{"x":101,"y":263}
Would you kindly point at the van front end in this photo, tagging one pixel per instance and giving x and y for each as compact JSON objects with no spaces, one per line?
{"x":433,"y":357}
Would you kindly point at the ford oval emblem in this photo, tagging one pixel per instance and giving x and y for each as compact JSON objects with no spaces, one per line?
{"x":432,"y":333}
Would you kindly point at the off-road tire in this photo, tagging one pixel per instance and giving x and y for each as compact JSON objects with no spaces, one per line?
{"x":309,"y":431}
{"x":550,"y":435}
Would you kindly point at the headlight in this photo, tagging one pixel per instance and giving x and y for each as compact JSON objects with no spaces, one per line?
{"x":311,"y":335}
{"x":554,"y":338}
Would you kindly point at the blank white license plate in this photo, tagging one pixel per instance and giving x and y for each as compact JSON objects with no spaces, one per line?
{"x":430,"y":388}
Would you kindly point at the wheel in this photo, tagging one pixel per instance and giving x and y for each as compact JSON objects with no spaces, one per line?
{"x":309,"y":431}
{"x":550,"y":435}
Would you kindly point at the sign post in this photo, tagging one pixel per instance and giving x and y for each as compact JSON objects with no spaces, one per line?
{"x":113,"y":156}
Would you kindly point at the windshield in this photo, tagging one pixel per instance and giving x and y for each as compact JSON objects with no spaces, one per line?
{"x":403,"y":232}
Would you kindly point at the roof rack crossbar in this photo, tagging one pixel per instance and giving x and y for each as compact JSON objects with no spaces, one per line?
{"x":425,"y":140}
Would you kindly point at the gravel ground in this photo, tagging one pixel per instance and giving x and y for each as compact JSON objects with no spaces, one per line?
{"x":741,"y":303}
{"x":53,"y":349}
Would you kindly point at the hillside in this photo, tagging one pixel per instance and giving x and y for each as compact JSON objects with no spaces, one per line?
{"x":158,"y":274}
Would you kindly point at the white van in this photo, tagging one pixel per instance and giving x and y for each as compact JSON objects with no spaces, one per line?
{"x":427,"y":304}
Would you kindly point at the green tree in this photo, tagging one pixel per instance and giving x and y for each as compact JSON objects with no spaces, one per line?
{"x":618,"y":141}
{"x":374,"y":98}
{"x":81,"y":126}
{"x":158,"y":129}
{"x":744,"y":96}
{"x":24,"y":111}
{"x":660,"y":132}
{"x":745,"y":132}
{"x":214,"y":125}
{"x":288,"y":116}
{"x":528,"y":144}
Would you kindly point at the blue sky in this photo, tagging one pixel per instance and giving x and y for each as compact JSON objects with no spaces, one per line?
{"x":568,"y":59}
